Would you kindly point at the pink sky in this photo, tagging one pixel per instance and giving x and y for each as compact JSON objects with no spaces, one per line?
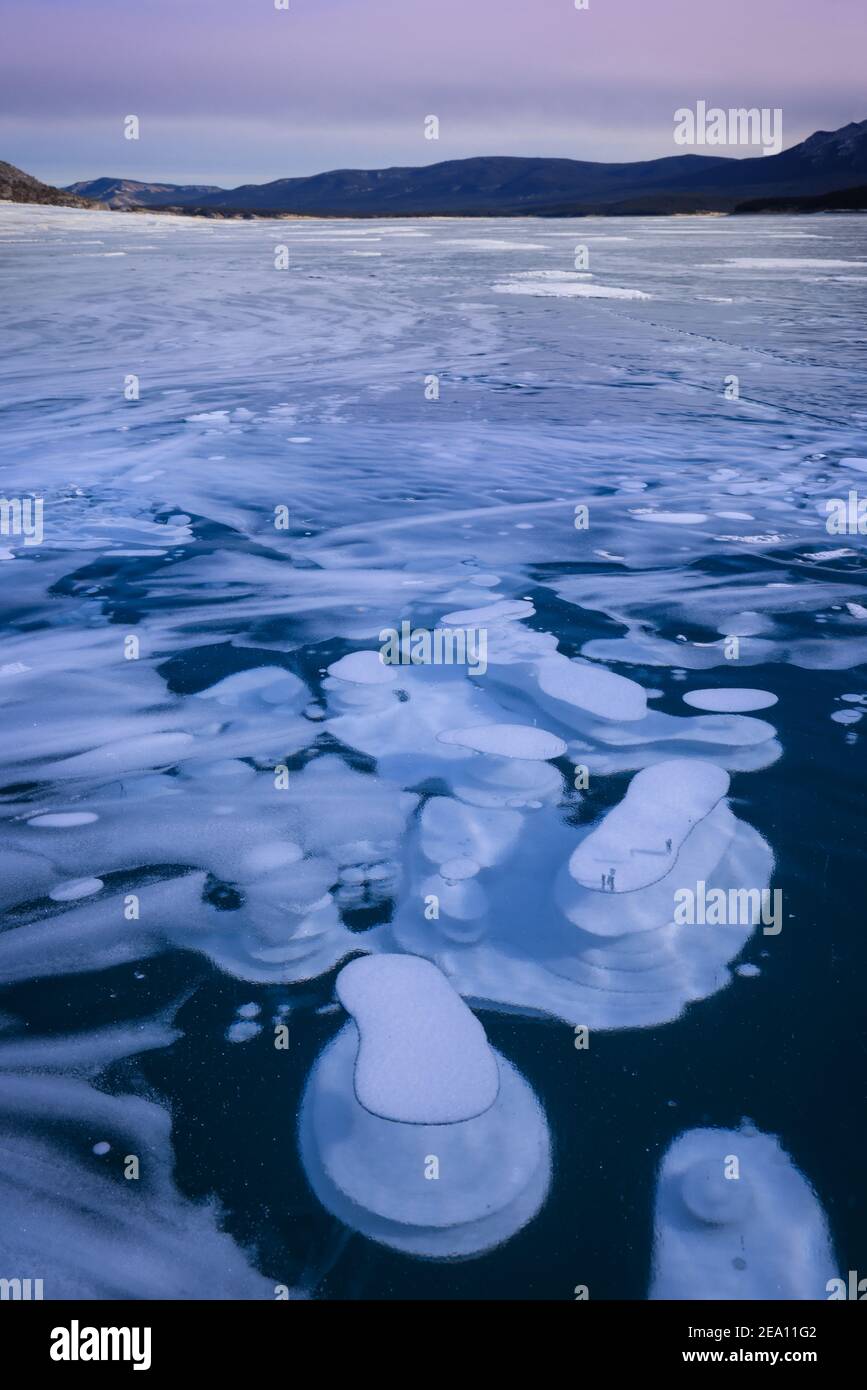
{"x":232,"y":91}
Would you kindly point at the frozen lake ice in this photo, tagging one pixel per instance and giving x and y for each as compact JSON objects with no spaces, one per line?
{"x":216,"y":793}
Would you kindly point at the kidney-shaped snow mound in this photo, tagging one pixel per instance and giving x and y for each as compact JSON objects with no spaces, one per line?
{"x":639,"y":840}
{"x":423,"y":1057}
{"x":429,"y":1188}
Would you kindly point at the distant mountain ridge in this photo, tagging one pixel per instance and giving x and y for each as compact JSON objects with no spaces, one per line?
{"x":827,"y":164}
{"x":501,"y":185}
{"x":127,"y":193}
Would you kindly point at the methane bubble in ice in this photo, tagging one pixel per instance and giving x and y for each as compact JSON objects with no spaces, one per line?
{"x":413,"y":1130}
{"x":508,"y":741}
{"x":62,"y":819}
{"x":75,"y":888}
{"x":735,"y":1219}
{"x":729,"y":701}
{"x":591,"y":688}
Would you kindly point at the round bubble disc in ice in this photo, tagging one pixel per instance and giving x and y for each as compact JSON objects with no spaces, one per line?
{"x":712,"y":1196}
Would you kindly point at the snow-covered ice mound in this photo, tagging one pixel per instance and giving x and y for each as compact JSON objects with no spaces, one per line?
{"x":555,"y":935}
{"x":638,"y":842}
{"x":422,"y":1057}
{"x":428,"y":1186}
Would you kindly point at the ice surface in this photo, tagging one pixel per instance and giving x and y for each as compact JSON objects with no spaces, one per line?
{"x":792,"y":263}
{"x":492,"y":244}
{"x":423,"y":1058}
{"x":117,"y":1239}
{"x":736,"y":1220}
{"x":453,"y":830}
{"x":277,"y":799}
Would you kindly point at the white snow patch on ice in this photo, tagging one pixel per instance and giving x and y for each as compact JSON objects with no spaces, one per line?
{"x":569,"y":290}
{"x":423,"y":1057}
{"x":730,"y":701}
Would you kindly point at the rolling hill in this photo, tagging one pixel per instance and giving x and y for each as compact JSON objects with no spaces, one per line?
{"x":18,"y":187}
{"x":129,"y":193}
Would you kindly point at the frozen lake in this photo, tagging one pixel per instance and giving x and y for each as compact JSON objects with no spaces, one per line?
{"x":608,"y":452}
